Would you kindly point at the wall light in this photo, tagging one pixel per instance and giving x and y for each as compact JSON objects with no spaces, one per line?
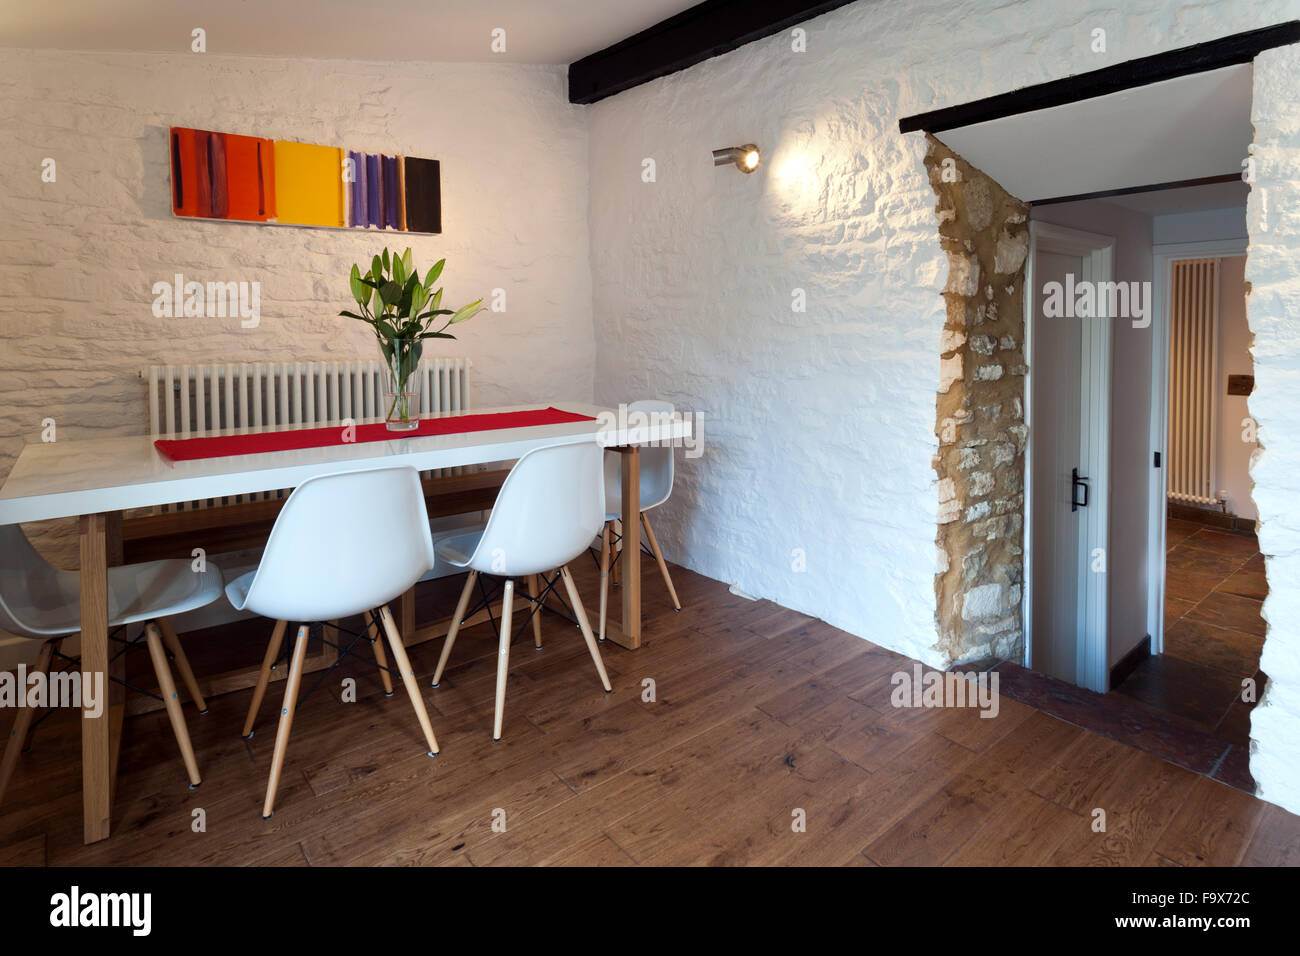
{"x":745,"y":157}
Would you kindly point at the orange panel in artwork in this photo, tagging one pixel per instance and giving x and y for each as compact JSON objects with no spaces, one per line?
{"x":250,"y":171}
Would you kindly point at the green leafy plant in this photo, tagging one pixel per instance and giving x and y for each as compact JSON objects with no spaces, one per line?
{"x":403,"y":311}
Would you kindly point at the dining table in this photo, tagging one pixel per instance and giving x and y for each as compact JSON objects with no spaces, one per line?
{"x":97,"y":479}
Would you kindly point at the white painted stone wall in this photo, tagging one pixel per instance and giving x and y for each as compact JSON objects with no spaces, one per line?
{"x":820,"y":425}
{"x":1273,"y":309}
{"x":78,"y":257}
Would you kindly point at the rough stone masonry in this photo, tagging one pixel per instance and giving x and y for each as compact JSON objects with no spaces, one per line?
{"x":980,"y":413}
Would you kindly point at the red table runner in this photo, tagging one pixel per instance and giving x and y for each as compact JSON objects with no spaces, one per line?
{"x":256,"y":443}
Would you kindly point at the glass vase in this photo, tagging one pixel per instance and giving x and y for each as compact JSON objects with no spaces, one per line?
{"x":402,"y":384}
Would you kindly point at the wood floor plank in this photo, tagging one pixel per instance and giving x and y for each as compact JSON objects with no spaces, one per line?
{"x":1155,"y":859}
{"x":850,"y":821}
{"x":28,"y":852}
{"x":1026,"y":832}
{"x":1074,"y":778}
{"x":598,"y":851}
{"x":1276,"y":841}
{"x":938,"y":828}
{"x":1139,"y":804}
{"x":868,"y":738}
{"x":1213,"y":826}
{"x":977,"y":732}
{"x":765,"y":785}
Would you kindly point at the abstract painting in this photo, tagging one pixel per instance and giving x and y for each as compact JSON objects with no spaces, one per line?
{"x":250,"y":179}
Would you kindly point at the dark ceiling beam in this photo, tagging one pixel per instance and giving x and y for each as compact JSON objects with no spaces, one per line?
{"x":1211,"y":55}
{"x":1131,"y":190}
{"x":706,"y":30}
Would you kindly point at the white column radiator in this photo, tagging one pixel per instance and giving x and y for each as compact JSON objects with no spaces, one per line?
{"x":191,"y":400}
{"x":1193,"y":358}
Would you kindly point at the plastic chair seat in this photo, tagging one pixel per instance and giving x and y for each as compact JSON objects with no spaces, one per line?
{"x":614,"y":500}
{"x":458,"y":548}
{"x":136,"y":592}
{"x":41,"y":602}
{"x":237,"y":590}
{"x":656,"y":467}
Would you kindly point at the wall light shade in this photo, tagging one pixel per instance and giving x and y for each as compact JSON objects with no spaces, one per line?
{"x":745,"y":158}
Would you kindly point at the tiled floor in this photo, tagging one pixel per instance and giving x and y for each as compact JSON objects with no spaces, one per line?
{"x":1213,"y":636}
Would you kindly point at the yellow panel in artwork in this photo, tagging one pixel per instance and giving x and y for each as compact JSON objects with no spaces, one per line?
{"x":308,"y":184}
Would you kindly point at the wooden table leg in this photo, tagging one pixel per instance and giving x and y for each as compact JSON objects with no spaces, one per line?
{"x":629,"y":635}
{"x":96,"y":746}
{"x":116,"y":687}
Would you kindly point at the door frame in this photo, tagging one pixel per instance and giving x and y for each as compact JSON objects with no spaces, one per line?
{"x":1092,"y":669}
{"x":1163,"y":256}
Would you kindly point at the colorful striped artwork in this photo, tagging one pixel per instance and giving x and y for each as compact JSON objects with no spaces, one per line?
{"x":251,"y":179}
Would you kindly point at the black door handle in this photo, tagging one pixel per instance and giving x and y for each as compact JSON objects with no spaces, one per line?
{"x":1076,"y":484}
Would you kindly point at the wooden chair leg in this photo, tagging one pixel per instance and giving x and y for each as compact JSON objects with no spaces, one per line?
{"x":604,"y":576}
{"x":172,"y":701}
{"x":173,"y":642}
{"x":503,"y":658}
{"x":23,"y":720}
{"x":408,"y":678}
{"x":659,"y":556}
{"x":291,"y":686}
{"x":581,"y":612}
{"x":264,"y":676}
{"x":536,"y":610}
{"x":615,"y":566}
{"x":461,"y":607}
{"x":381,"y":657}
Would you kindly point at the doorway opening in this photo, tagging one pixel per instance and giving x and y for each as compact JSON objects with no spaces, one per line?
{"x":1209,"y":583}
{"x":1093,"y":156}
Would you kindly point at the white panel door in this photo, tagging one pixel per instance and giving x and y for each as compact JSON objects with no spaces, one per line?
{"x":1056,"y":450}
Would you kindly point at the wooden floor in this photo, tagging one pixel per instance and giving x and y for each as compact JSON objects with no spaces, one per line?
{"x":759,"y":716}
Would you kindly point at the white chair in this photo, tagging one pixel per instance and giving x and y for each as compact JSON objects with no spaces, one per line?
{"x":343,"y":544}
{"x":42,"y":603}
{"x":547,"y":512}
{"x":656,"y":485}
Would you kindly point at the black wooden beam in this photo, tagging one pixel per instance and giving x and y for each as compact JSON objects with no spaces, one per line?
{"x":706,"y":30}
{"x":1211,"y":55}
{"x":1130,"y":190}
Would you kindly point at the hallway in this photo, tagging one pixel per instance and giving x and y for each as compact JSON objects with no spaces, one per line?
{"x":1214,"y":633}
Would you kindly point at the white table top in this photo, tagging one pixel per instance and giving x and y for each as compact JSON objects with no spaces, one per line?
{"x":67,"y":478}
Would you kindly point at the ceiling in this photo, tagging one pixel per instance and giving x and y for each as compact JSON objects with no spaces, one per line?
{"x":1191,"y":127}
{"x":537,"y":31}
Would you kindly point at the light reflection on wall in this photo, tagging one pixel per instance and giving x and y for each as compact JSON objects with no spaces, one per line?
{"x":795,"y":185}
